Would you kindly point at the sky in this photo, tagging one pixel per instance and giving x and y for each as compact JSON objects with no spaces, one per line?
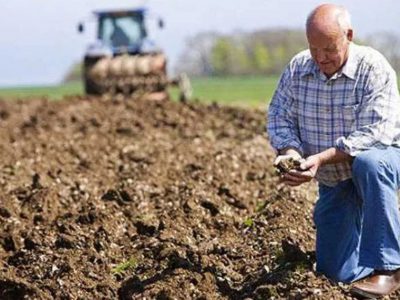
{"x":39,"y":41}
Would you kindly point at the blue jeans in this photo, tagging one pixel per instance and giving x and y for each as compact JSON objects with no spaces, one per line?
{"x":358,"y":221}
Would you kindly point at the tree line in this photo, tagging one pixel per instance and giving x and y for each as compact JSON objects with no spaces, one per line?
{"x":262,"y":52}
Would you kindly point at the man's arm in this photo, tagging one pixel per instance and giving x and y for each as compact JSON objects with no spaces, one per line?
{"x":329,"y":156}
{"x":376,"y":117}
{"x":282,"y":117}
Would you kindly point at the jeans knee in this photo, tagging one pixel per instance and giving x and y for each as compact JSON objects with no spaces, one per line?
{"x":367,"y":163}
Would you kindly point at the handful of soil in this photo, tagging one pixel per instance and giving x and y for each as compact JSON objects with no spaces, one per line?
{"x":286,"y":165}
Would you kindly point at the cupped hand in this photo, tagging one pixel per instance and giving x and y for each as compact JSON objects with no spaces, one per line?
{"x":280,"y":158}
{"x":308,"y":170}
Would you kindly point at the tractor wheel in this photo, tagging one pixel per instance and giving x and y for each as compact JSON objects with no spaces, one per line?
{"x":91,"y":88}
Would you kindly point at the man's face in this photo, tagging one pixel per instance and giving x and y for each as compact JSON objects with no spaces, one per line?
{"x":329,"y":51}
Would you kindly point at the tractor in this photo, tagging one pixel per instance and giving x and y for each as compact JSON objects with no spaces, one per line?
{"x":124,"y":60}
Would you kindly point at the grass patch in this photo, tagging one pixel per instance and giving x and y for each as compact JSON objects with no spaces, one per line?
{"x":52,"y":92}
{"x":124,"y":266}
{"x":246,"y":91}
{"x":254,"y":91}
{"x":248,"y":222}
{"x":238,"y":91}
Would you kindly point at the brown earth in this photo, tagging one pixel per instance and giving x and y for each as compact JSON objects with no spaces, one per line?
{"x":130,"y":199}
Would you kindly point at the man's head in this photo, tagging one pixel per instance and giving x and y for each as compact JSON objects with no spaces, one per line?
{"x":329,"y":34}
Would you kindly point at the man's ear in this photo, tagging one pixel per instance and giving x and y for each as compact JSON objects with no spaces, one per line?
{"x":349,"y":35}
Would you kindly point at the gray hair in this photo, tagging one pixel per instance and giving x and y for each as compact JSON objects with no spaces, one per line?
{"x":342,"y":15}
{"x":344,"y":19}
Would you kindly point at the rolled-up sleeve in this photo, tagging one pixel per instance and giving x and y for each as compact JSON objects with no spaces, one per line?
{"x":282,"y":125}
{"x":376,"y":118}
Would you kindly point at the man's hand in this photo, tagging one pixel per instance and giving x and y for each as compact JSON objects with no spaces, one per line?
{"x":286,"y":154}
{"x":308,"y":170}
{"x":281,"y":158}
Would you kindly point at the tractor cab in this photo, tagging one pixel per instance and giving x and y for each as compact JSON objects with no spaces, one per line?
{"x":122,"y":31}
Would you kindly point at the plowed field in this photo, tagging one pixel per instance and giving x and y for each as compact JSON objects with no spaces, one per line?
{"x":131,"y":199}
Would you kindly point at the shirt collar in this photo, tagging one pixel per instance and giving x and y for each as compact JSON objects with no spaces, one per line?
{"x":349,"y":69}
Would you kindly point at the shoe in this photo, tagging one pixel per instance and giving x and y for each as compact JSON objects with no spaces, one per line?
{"x":377,"y":285}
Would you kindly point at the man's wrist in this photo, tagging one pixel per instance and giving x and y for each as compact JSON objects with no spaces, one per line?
{"x":332,"y":156}
{"x":320,"y":158}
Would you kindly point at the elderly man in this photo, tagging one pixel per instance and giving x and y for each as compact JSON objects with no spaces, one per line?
{"x":338,"y":106}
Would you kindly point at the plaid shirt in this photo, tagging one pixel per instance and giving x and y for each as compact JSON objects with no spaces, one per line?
{"x":357,"y":109}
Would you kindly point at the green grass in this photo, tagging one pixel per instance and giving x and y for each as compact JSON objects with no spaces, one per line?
{"x":126,"y":265}
{"x":243,"y":91}
{"x":248,"y":222}
{"x":253,"y":91}
{"x":52,"y":92}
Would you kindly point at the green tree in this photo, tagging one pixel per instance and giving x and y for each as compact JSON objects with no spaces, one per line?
{"x":240,"y":60}
{"x":261,"y":58}
{"x":221,"y":56}
{"x":281,"y":58}
{"x":265,"y":51}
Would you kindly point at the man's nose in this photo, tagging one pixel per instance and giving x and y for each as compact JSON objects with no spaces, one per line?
{"x":320,"y":56}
